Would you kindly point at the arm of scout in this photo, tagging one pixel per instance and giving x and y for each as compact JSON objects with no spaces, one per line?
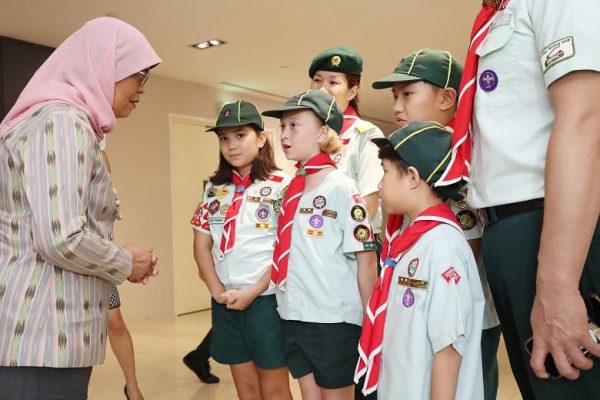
{"x":367,"y":274}
{"x":206,"y":266}
{"x":240,"y":299}
{"x":572,"y":206}
{"x":444,"y":374}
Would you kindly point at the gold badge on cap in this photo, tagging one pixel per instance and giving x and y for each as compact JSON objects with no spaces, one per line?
{"x":336,"y":61}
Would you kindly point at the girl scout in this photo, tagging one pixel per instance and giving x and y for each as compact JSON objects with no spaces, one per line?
{"x":236,"y":223}
{"x":337,"y":71}
{"x":323,"y":264}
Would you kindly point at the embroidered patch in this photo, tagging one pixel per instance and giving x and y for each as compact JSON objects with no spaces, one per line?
{"x":319,"y":202}
{"x":316,"y":221}
{"x":488,"y":80}
{"x":408,"y":299}
{"x":451,"y":274}
{"x":362,"y":233}
{"x":262,"y":213}
{"x":357,"y":198}
{"x":262,"y":225}
{"x":337,"y":158}
{"x":268,"y":201}
{"x":467,"y":219}
{"x":277,"y":206}
{"x":369,"y":246}
{"x":223,"y":209}
{"x":358,"y":213}
{"x":306,"y":210}
{"x":227,"y":114}
{"x":253,"y":199}
{"x":412,"y":267}
{"x":213,"y":207}
{"x":413,"y":283}
{"x":222,"y":191}
{"x":265,"y":191}
{"x":315,"y":232}
{"x":329,"y":213}
{"x":212,"y":192}
{"x":556,"y":52}
{"x":460,"y":204}
{"x":216,"y":220}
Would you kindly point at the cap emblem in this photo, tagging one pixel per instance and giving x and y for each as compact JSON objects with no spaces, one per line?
{"x":336,"y":61}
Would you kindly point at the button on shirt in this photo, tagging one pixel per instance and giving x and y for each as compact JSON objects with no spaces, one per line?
{"x":530,"y":45}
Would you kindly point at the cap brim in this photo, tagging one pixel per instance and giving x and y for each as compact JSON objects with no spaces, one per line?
{"x":380,"y":142}
{"x":389,"y":80}
{"x":276,"y":112}
{"x":230,"y":125}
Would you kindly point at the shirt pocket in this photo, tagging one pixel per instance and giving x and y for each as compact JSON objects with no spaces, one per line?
{"x":498,"y":70}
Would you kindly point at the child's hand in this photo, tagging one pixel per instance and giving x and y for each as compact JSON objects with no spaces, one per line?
{"x":240,"y":299}
{"x":221,"y":298}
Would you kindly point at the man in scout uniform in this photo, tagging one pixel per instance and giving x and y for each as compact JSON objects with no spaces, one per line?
{"x":425,"y":85}
{"x":534,"y":173}
{"x":428,"y":299}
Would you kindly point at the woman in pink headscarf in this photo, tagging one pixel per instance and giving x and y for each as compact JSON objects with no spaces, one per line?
{"x":57,"y":208}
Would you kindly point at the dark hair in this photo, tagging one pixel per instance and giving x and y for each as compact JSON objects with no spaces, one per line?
{"x":387,"y":152}
{"x":263,"y":165}
{"x":353,"y":80}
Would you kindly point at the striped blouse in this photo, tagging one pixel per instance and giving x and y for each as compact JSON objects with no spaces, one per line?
{"x":57,"y":259}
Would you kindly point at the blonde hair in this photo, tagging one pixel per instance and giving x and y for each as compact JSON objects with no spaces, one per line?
{"x":332,"y":143}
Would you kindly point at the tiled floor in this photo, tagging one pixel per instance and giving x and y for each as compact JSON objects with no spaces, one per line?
{"x":162,"y":376}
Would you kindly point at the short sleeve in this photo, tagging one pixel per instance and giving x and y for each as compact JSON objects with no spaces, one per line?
{"x":200,"y":217}
{"x":450,"y":304}
{"x":566,"y":34}
{"x":370,"y":171}
{"x":358,"y":234}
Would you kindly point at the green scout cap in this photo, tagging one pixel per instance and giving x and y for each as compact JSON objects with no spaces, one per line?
{"x":337,"y":59}
{"x":426,"y":146}
{"x":238,"y":114}
{"x":430,"y":65}
{"x":319,"y":102}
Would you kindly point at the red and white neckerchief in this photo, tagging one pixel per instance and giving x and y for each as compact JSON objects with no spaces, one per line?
{"x":292,"y":197}
{"x":228,"y":236}
{"x":371,"y":339}
{"x":458,"y":168}
{"x":350,"y":117}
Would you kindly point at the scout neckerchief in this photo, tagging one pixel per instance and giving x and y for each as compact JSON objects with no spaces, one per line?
{"x":281,"y":252}
{"x":371,"y":338}
{"x":458,"y":168}
{"x":228,"y":236}
{"x":350,"y":117}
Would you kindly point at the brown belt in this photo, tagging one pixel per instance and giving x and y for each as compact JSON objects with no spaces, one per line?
{"x":498,"y":213}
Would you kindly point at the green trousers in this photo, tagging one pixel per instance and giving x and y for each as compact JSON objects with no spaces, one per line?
{"x":510,"y":249}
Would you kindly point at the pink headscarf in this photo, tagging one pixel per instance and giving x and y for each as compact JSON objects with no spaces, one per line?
{"x":83,"y":70}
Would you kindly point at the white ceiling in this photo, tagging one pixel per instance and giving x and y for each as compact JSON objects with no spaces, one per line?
{"x":269,"y":43}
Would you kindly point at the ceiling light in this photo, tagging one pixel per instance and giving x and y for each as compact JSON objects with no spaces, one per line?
{"x":208,"y":43}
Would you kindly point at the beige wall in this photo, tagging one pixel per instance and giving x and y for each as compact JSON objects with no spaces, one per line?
{"x":139,"y":153}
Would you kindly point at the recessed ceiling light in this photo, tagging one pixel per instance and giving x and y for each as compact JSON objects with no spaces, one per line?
{"x":208,"y":43}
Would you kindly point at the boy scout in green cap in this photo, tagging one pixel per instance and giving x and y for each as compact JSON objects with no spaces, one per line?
{"x":337,"y":70}
{"x":425,"y":86}
{"x":234,"y":233}
{"x":422,"y":339}
{"x":324,"y":265}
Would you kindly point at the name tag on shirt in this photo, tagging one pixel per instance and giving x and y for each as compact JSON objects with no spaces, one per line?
{"x":413,"y":283}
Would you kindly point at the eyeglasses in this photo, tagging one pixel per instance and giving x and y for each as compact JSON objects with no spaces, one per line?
{"x":143,"y":77}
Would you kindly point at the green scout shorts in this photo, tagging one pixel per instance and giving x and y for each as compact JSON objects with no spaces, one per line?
{"x":254,"y":334}
{"x":329,"y":351}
